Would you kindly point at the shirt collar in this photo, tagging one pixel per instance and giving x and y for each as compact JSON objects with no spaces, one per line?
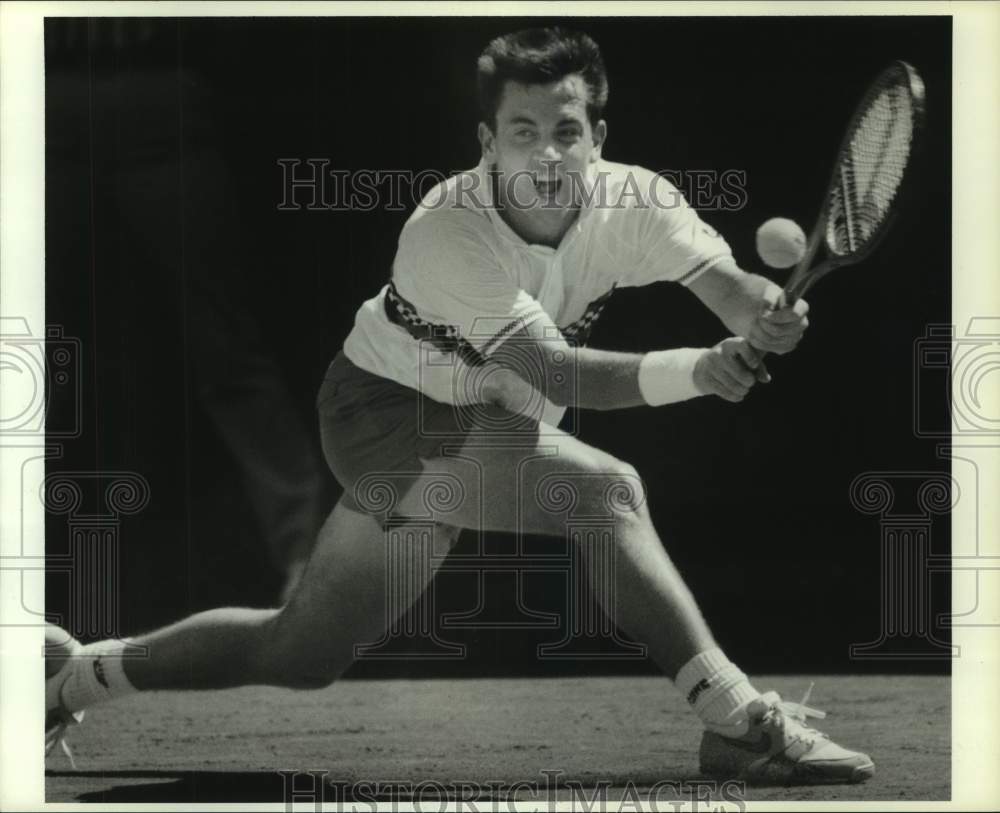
{"x":484,"y":193}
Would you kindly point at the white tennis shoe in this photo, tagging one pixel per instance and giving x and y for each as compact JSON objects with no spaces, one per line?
{"x":60,"y":647}
{"x":780,"y":749}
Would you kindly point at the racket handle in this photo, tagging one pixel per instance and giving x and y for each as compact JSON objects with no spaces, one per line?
{"x":793,"y":292}
{"x":787,"y":298}
{"x":803,"y":281}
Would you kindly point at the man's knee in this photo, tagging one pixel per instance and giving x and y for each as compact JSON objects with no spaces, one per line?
{"x":296,"y":662}
{"x":624,"y":493}
{"x":604,"y":487}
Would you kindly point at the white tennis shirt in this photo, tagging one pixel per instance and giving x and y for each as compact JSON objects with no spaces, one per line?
{"x":462,"y":280}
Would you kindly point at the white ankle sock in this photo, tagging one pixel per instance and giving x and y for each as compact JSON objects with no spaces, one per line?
{"x":96,"y":676}
{"x":717,"y":690}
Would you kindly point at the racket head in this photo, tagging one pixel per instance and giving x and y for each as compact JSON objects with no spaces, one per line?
{"x":871,"y":167}
{"x":870,"y":175}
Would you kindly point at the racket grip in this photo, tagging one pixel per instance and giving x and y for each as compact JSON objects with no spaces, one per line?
{"x":786,"y":299}
{"x":790,"y":295}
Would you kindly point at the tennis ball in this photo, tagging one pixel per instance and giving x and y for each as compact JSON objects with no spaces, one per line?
{"x":781,"y":242}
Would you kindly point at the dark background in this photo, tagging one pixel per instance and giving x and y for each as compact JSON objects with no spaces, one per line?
{"x":162,"y":190}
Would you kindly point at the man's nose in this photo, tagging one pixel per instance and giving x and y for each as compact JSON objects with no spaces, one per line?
{"x":549,"y":153}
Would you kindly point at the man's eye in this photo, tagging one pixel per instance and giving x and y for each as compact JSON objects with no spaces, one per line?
{"x":523,"y":133}
{"x":569,"y":135}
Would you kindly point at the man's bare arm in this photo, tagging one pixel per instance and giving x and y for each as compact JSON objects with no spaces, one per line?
{"x":537,"y":356}
{"x":746,"y":305}
{"x":537,"y":360}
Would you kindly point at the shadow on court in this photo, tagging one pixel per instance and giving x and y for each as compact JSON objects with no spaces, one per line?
{"x":154,"y":786}
{"x":176,"y":786}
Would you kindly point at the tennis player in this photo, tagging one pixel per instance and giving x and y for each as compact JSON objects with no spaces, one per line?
{"x":459,"y":371}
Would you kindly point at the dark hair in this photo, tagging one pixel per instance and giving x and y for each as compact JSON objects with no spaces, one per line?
{"x":538,"y":56}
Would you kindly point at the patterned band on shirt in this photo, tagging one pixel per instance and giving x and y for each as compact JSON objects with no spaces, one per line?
{"x":446,"y":338}
{"x":577,"y":333}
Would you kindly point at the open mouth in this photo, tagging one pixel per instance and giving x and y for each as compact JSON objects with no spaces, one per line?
{"x":547,"y":189}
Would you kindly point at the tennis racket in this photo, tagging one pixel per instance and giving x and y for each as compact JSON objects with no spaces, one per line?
{"x":864,"y":194}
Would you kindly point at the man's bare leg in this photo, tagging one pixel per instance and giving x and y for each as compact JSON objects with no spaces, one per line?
{"x":341,"y":600}
{"x":339,"y":603}
{"x":651,"y":602}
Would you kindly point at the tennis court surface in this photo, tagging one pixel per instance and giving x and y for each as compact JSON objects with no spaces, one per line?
{"x":488,"y":739}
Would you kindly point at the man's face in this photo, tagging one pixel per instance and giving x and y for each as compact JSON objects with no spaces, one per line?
{"x":543,"y":138}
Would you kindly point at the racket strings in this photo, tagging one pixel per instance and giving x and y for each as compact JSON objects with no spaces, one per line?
{"x":871,"y":169}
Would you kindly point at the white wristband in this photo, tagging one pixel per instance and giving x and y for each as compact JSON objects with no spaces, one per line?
{"x":667,"y":376}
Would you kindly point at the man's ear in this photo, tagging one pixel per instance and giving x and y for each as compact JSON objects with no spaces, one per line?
{"x":600,"y":134}
{"x":487,"y":141}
